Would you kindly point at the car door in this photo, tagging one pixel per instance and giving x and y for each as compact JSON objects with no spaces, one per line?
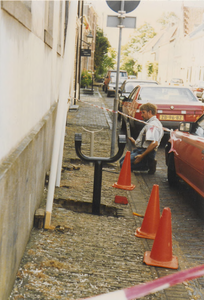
{"x":189,"y":157}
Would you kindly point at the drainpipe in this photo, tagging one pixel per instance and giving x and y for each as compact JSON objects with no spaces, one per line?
{"x":68,"y":66}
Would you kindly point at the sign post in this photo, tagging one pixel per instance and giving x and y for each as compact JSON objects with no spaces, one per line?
{"x":120,"y":21}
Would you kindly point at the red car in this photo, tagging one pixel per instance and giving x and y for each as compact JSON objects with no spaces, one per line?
{"x":185,"y":155}
{"x":174,"y":105}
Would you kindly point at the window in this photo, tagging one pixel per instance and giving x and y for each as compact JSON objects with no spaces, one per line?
{"x":48,"y":32}
{"x":60,"y":30}
{"x":20,"y":10}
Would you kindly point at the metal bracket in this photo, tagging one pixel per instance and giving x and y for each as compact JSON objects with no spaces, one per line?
{"x":98,"y":161}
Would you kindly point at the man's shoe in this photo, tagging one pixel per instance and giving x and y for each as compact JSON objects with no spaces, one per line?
{"x":152,"y":167}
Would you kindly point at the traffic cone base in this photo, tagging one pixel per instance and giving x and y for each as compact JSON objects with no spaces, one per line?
{"x":172,"y":264}
{"x":141,"y":234}
{"x":151,"y":219}
{"x":124,"y":187}
{"x":124,"y":180}
{"x":161,"y":253}
{"x":121,"y":200}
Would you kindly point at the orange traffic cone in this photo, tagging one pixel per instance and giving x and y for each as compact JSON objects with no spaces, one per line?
{"x":161,"y":254}
{"x":124,"y":180}
{"x":151,"y":219}
{"x":121,"y":200}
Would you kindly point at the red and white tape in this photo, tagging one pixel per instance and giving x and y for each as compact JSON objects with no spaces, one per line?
{"x":154,"y":286}
{"x":112,"y":111}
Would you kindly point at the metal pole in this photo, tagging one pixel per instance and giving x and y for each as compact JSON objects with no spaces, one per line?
{"x":116,"y":99}
{"x":92,"y":144}
{"x":80,"y":44}
{"x":97,"y":188}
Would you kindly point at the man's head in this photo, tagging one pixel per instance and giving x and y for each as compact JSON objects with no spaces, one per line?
{"x":148,"y":110}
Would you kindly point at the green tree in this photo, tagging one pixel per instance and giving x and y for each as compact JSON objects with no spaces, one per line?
{"x":152,"y":69}
{"x":137,"y":68}
{"x":109,"y":59}
{"x":86,"y":78}
{"x":140,"y":37}
{"x":128,"y":64}
{"x":101,"y":50}
{"x":129,"y":51}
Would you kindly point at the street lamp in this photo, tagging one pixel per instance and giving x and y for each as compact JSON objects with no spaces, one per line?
{"x":89,"y":36}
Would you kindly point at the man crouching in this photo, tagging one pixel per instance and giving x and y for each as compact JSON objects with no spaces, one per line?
{"x":143,"y":156}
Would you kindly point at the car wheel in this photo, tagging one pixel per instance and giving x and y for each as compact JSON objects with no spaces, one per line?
{"x":171,"y":171}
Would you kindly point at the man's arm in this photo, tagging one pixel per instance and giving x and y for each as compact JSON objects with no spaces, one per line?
{"x":150,"y":148}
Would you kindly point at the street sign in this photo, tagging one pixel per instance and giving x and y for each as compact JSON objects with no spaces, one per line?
{"x":128,"y":22}
{"x":128,"y":5}
{"x":85,"y":52}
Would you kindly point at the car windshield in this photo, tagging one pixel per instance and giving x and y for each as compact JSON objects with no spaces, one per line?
{"x":122,"y":76}
{"x":166,"y":94}
{"x":132,"y":84}
{"x":198,"y":129}
{"x":129,"y":87}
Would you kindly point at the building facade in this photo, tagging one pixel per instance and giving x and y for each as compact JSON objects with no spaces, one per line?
{"x":177,"y":50}
{"x":36,"y":74}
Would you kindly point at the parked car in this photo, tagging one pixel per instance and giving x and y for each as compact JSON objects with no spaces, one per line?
{"x":132,"y":77}
{"x":174,"y":105}
{"x":110,"y":81}
{"x":198,"y":89}
{"x":186,"y":161}
{"x":176,"y":82}
{"x":127,"y":87}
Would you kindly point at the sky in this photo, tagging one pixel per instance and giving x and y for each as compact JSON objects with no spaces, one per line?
{"x":147,"y":11}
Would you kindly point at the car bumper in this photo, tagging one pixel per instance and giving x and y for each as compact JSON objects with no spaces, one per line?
{"x":111,"y":90}
{"x":167,"y":126}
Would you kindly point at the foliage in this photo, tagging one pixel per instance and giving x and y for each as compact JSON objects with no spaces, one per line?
{"x":128,"y":64}
{"x":140,"y":37}
{"x":86,"y":78}
{"x":129,"y":51}
{"x":101,"y":50}
{"x":168,"y":18}
{"x":110,"y":59}
{"x":137,"y":68}
{"x":152,"y":69}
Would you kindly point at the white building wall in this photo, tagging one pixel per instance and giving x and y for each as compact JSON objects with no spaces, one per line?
{"x":29,"y":74}
{"x":35,"y":74}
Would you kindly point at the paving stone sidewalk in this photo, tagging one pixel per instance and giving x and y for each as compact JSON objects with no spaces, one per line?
{"x":88,"y":254}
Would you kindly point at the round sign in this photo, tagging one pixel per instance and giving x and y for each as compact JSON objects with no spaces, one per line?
{"x":128,"y":5}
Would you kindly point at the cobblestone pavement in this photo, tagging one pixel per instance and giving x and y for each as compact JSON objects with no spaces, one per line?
{"x":88,"y":254}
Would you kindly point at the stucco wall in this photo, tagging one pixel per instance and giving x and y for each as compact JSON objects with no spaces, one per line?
{"x":22,"y":177}
{"x":30,"y":74}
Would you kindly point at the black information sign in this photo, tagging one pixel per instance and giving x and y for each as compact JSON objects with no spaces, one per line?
{"x":85,"y":52}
